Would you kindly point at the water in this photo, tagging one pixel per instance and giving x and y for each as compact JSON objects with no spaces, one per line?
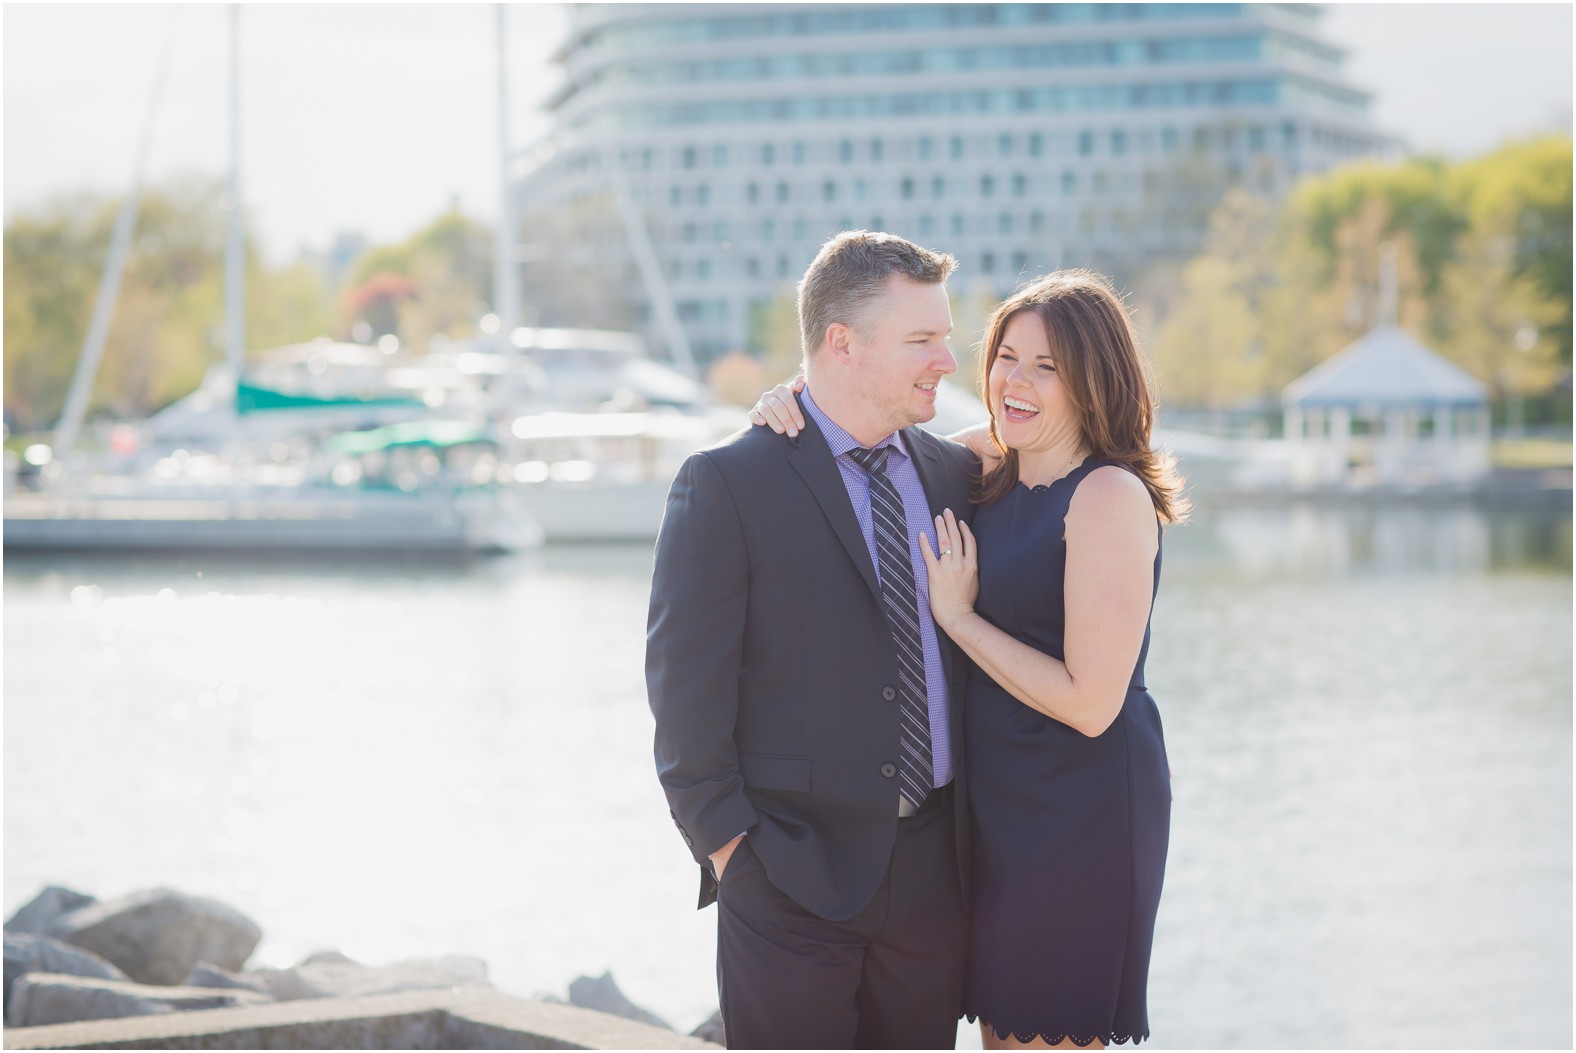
{"x":1368,"y":717}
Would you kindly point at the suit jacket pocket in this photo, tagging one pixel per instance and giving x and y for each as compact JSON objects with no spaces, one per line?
{"x":773,"y":771}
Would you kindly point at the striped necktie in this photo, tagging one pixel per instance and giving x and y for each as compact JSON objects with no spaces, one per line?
{"x":916,"y":771}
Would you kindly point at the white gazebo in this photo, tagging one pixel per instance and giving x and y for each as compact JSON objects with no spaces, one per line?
{"x":1387,"y":411}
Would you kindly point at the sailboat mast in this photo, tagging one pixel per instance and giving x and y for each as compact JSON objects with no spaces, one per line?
{"x":235,"y":247}
{"x":114,"y":268}
{"x":506,"y":297}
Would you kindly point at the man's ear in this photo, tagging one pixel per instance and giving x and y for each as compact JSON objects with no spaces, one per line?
{"x":839,"y":338}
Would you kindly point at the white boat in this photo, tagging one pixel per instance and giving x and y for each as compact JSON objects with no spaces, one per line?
{"x":264,"y":519}
{"x":605,"y":476}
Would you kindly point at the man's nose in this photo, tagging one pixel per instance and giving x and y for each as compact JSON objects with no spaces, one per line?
{"x":946,"y":362}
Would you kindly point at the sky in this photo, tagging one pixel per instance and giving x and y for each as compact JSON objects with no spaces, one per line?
{"x":375,"y":117}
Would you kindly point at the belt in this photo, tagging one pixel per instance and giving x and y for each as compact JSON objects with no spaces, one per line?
{"x":935,"y":799}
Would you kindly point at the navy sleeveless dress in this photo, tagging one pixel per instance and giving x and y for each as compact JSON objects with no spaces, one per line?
{"x":1070,"y":832}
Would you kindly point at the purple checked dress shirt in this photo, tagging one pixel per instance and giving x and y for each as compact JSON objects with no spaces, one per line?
{"x":916,"y":511}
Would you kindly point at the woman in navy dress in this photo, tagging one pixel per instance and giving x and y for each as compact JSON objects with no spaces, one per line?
{"x":1068,"y":777}
{"x":1049,"y":594}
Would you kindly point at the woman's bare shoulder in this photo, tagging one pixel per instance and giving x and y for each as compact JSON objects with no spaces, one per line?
{"x":1112,"y":494}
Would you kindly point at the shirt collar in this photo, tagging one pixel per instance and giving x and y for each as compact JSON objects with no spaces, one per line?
{"x":838,"y":439}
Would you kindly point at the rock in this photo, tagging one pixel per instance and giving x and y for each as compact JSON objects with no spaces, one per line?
{"x":207,"y":974}
{"x":29,"y":953}
{"x":602,"y":994}
{"x":321,"y":976}
{"x":711,"y":1030}
{"x":41,"y":912}
{"x":157,"y":936}
{"x":50,"y":998}
{"x":327,"y":956}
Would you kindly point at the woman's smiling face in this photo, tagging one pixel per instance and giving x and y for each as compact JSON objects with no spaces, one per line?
{"x":1026,"y":395}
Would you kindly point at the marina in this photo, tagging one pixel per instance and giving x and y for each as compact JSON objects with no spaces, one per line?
{"x":333,"y":472}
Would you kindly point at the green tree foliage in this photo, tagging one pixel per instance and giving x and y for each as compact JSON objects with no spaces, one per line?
{"x":1522,"y":194}
{"x":774,"y":330}
{"x":432,"y":284}
{"x":1483,"y":260}
{"x":168,"y":325}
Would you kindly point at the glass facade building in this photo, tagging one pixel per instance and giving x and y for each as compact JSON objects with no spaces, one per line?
{"x":1018,"y":137}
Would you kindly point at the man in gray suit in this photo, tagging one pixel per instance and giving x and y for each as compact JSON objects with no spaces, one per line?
{"x":807,"y":709}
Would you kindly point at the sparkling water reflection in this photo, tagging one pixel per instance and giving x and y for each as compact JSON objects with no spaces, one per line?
{"x":1369,"y":719}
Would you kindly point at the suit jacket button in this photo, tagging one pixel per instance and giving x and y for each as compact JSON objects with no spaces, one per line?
{"x":889,"y":770}
{"x":888,"y":693}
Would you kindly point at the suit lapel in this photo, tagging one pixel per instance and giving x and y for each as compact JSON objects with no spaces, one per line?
{"x":812,"y":459}
{"x":940,"y":488}
{"x":941,"y":493}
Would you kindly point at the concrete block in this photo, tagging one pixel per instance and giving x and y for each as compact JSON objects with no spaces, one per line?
{"x":478,"y":1019}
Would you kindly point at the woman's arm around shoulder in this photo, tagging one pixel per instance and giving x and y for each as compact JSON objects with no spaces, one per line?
{"x":977,"y":439}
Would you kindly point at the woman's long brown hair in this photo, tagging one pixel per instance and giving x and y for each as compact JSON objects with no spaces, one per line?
{"x":1107,"y":381}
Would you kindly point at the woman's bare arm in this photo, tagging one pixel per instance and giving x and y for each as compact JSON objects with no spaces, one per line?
{"x":1108,"y":590}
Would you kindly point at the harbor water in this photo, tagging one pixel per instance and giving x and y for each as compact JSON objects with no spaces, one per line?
{"x":1368,"y":714}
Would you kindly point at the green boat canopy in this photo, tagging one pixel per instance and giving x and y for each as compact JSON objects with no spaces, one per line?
{"x":438,"y":433}
{"x":250,"y":398}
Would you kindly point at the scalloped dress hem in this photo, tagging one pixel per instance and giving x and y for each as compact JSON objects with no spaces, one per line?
{"x":1109,"y":1038}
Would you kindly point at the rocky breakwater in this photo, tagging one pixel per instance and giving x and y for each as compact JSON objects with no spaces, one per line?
{"x":70,"y":957}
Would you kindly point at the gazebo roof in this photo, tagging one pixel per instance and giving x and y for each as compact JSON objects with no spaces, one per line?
{"x":1387,"y":367}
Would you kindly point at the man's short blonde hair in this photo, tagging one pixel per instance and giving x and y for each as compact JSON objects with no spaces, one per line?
{"x":851,"y":270}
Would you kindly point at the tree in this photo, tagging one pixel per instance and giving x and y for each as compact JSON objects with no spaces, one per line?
{"x":427,"y":286}
{"x":168,"y":323}
{"x":1522,"y":192}
{"x":1206,"y":355}
{"x":1496,"y":311}
{"x":774,"y":329}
